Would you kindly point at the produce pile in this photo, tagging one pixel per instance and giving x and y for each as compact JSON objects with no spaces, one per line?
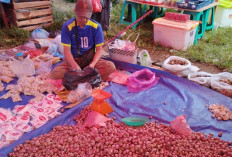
{"x":117,"y":139}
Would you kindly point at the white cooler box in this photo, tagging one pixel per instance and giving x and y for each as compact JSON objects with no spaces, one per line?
{"x":223,"y":16}
{"x":178,"y":35}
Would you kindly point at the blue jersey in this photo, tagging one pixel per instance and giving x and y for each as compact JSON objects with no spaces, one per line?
{"x":91,"y":35}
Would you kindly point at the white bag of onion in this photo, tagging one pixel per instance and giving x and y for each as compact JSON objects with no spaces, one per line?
{"x":178,"y":66}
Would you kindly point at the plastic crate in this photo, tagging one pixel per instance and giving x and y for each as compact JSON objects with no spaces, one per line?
{"x":193,"y":4}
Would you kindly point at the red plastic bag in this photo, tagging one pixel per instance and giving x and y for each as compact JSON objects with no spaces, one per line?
{"x":180,"y":125}
{"x":95,"y":118}
{"x":118,"y":77}
{"x":97,"y":7}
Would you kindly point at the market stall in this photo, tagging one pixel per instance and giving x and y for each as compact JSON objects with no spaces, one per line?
{"x":172,"y":96}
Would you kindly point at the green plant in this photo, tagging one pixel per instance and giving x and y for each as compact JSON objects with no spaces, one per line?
{"x":13,"y":37}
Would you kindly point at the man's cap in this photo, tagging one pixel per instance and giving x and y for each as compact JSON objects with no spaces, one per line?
{"x":84,"y":8}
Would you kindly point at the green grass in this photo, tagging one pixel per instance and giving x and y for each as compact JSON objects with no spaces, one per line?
{"x":214,"y":48}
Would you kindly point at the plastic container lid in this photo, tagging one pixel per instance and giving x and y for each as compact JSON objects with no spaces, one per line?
{"x":175,"y":24}
{"x":135,"y":121}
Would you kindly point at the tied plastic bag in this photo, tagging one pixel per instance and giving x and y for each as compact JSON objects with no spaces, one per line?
{"x":202,"y":78}
{"x":39,"y":33}
{"x":222,"y":82}
{"x":141,"y":80}
{"x":82,"y":92}
{"x":23,"y":68}
{"x":73,"y":78}
{"x":179,"y":66}
{"x":44,"y":67}
{"x":180,"y":125}
{"x":97,"y":7}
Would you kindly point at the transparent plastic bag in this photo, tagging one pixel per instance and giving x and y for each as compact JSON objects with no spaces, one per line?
{"x":82,"y":92}
{"x":180,"y":125}
{"x":23,"y":68}
{"x":144,"y":58}
{"x":141,"y":80}
{"x":222,"y":82}
{"x":202,"y":78}
{"x":44,"y":67}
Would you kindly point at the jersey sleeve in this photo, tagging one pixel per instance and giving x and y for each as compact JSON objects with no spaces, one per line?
{"x":65,"y":36}
{"x":99,"y":39}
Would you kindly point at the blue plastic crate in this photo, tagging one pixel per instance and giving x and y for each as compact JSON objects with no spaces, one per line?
{"x":193,"y":4}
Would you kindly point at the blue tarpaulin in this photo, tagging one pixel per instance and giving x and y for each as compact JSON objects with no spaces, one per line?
{"x":182,"y":97}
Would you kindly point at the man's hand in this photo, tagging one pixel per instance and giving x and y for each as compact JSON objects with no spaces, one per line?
{"x":75,"y":66}
{"x":91,"y":65}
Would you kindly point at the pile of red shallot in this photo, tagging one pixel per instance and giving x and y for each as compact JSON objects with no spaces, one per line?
{"x":118,"y":140}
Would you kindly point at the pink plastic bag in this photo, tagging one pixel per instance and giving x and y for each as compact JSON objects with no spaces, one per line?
{"x":95,"y":118}
{"x":141,"y":80}
{"x":180,"y":125}
{"x":118,"y":77}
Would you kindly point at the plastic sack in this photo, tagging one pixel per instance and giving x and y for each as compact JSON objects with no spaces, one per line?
{"x":82,"y":92}
{"x":222,"y":82}
{"x":95,"y":118}
{"x":144,"y":58}
{"x":97,"y":7}
{"x":73,"y":78}
{"x":118,"y":77}
{"x":23,"y":68}
{"x":39,"y":33}
{"x":202,"y":78}
{"x":180,"y":125}
{"x":44,"y":67}
{"x":141,"y":80}
{"x":178,"y":66}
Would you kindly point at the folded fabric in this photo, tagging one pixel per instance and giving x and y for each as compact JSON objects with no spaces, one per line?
{"x":141,"y":80}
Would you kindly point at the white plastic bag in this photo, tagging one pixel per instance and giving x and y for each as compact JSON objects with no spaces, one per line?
{"x":57,"y":41}
{"x":202,"y":78}
{"x":23,"y":68}
{"x":222,"y":82}
{"x":144,"y":58}
{"x":39,"y":33}
{"x":179,"y":66}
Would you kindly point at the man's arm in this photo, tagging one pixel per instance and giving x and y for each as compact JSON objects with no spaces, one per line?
{"x":96,"y":57}
{"x":69,"y":58}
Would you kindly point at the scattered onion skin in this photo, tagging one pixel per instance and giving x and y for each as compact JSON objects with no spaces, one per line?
{"x":149,"y":140}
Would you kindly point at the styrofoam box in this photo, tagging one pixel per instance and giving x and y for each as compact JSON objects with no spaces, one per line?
{"x":223,"y":17}
{"x":175,"y":35}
